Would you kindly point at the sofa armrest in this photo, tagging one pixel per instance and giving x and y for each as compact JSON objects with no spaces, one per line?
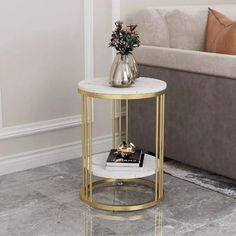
{"x":221,"y":65}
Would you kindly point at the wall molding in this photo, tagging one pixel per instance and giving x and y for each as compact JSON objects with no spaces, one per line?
{"x":46,"y":156}
{"x":115,"y":16}
{"x":88,"y":40}
{"x":40,"y":127}
{"x":44,"y":126}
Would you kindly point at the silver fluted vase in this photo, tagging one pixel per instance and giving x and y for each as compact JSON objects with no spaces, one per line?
{"x":121,"y":74}
{"x":134,"y":67}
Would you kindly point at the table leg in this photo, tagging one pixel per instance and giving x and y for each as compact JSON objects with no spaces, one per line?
{"x":113,"y":124}
{"x":90,"y":146}
{"x":86,"y":145}
{"x":157,"y":148}
{"x":120,"y":122}
{"x":127,"y":120}
{"x":161,"y":145}
{"x":83,"y":144}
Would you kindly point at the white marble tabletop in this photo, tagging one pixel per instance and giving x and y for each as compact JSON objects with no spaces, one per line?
{"x":142,"y":88}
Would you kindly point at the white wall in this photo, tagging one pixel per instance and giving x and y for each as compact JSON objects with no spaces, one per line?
{"x":41,"y":61}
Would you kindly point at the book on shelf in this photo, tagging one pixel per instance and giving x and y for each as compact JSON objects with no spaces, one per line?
{"x":115,"y":160}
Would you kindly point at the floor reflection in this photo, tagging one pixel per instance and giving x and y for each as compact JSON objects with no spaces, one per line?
{"x":146,"y":222}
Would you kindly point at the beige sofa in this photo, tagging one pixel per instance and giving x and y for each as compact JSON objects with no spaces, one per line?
{"x":175,"y":38}
{"x":201,"y":96}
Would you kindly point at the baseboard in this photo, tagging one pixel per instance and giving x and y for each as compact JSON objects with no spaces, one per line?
{"x":28,"y":160}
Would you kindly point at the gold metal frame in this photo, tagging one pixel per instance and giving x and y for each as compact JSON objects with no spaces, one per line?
{"x":86,"y":192}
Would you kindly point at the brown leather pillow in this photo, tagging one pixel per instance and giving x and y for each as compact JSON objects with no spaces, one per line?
{"x":221,"y":33}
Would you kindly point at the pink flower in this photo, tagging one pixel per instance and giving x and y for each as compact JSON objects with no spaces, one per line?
{"x":127,"y":31}
{"x":119,"y":22}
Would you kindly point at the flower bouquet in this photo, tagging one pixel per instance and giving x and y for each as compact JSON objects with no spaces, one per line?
{"x":124,"y":69}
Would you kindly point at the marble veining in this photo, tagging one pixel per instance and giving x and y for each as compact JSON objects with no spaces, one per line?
{"x":45,"y":202}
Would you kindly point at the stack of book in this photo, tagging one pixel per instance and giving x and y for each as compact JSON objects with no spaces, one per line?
{"x":115,"y":161}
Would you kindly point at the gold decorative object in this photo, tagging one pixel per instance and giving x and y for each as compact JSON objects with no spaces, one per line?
{"x":125,"y":149}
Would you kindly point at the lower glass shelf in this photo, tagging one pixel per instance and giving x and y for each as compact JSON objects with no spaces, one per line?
{"x":99,"y":168}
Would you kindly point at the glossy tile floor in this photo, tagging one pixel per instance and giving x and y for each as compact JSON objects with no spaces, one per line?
{"x":45,"y":202}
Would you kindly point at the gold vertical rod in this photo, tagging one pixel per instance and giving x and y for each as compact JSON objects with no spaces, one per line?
{"x":163,"y":138}
{"x":86,"y":148}
{"x":90,"y":148}
{"x":161,"y":147}
{"x":157,"y":143}
{"x":113,"y":123}
{"x":127,"y":120}
{"x":83,"y":143}
{"x":120,"y":121}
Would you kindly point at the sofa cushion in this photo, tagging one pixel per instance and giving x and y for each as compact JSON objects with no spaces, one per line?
{"x":187,"y":28}
{"x":152,"y":28}
{"x":221,"y":33}
{"x":177,"y":26}
{"x":194,"y":61}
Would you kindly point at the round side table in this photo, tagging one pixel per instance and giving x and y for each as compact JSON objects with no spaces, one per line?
{"x":94,"y":165}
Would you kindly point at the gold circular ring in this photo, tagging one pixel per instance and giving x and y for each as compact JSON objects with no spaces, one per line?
{"x":108,"y":207}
